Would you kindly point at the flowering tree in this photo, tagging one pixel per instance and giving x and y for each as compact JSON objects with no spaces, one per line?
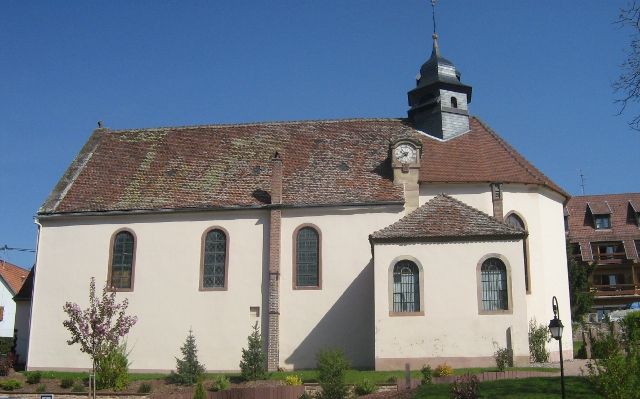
{"x":95,"y":328}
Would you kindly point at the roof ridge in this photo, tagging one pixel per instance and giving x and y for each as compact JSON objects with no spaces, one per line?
{"x":226,"y":125}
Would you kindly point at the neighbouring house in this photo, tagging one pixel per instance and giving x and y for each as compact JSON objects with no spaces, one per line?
{"x":22,"y":301}
{"x":420,"y":240}
{"x":606,"y":229}
{"x":12,"y":278}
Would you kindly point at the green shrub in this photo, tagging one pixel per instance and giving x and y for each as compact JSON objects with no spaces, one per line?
{"x":145,"y":387}
{"x":617,"y":375}
{"x":188,"y":368}
{"x":466,"y":386}
{"x":67,"y":382}
{"x":253,"y":360}
{"x":502,"y":358}
{"x":292,"y":380}
{"x":5,"y":344}
{"x":393,"y":379}
{"x":427,"y":375}
{"x":78,"y":387}
{"x":10,"y":385}
{"x":41,"y":388}
{"x":630,"y":329}
{"x":605,"y":347}
{"x":112,"y":371}
{"x":307,"y":395}
{"x":34,"y":377}
{"x":199,"y":392}
{"x":220,"y":383}
{"x":332,"y":366}
{"x":443,"y":370}
{"x":538,"y":337}
{"x":365,"y":387}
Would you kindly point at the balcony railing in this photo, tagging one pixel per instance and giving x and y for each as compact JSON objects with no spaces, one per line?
{"x":617,"y":289}
{"x":610,"y":258}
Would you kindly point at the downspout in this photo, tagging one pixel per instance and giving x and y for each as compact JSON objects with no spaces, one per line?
{"x":33,"y":290}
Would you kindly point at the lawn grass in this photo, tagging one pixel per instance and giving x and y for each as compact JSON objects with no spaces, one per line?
{"x":522,"y":388}
{"x":307,"y":376}
{"x":576,"y":348}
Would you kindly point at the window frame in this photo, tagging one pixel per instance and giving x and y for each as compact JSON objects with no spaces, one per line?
{"x":602,"y":217}
{"x":203,"y":242}
{"x":507,"y":266}
{"x":392,"y":265}
{"x":133,"y":260}
{"x":294,"y":241}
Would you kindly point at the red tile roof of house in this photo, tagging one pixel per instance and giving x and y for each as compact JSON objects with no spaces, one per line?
{"x":624,"y":225}
{"x":446,"y":217}
{"x":13,"y":275}
{"x":324,"y":162}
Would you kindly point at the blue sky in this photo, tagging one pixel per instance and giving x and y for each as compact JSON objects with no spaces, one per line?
{"x":541,"y":73}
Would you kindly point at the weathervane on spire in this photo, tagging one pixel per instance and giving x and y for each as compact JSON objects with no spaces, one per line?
{"x":433,"y":13}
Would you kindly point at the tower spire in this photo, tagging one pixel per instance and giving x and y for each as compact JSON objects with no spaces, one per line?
{"x":433,"y":14}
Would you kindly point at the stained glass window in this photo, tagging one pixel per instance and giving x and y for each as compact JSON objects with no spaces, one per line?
{"x":122,"y":260}
{"x":215,"y":258}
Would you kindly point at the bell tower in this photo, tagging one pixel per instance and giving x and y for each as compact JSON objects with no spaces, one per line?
{"x":439,"y":103}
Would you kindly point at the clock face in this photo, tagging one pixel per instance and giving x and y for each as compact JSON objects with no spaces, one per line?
{"x":405,"y":153}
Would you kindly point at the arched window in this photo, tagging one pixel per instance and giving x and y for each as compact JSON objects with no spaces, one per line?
{"x":214,"y":260}
{"x":307,"y":259}
{"x":494,"y":285}
{"x":406,"y":287}
{"x":516,"y":221}
{"x":454,"y":102}
{"x":122,"y":261}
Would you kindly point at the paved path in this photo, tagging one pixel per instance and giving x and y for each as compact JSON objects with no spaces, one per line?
{"x":573,"y":367}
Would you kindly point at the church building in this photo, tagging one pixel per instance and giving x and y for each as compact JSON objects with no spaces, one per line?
{"x":421,"y":240}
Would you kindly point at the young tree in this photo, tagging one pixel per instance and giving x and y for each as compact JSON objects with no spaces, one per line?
{"x":628,"y":84}
{"x":189,"y":368}
{"x":332,"y":366}
{"x":580,"y":294}
{"x":252,"y":363}
{"x":99,"y":328}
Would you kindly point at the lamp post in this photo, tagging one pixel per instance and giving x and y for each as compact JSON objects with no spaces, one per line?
{"x":555,"y":327}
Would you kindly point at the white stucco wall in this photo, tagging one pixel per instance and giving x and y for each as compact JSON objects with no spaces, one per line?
{"x":542,"y":211}
{"x":167,"y":301}
{"x":23,"y":315}
{"x":341,"y":313}
{"x":9,"y":316}
{"x":451,"y":329}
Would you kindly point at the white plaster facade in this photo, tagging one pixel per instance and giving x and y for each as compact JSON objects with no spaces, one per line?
{"x":9,"y":309}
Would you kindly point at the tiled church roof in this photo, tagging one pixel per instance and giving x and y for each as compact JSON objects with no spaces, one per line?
{"x":446,"y":217}
{"x":324,"y":162}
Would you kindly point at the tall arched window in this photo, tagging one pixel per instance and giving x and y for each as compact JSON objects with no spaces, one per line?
{"x":214,"y":263}
{"x":406,"y":287}
{"x":122,"y":257}
{"x":307,"y":258}
{"x":454,"y":102}
{"x":494,"y":285}
{"x":516,"y":221}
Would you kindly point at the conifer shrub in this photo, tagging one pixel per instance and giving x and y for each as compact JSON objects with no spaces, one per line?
{"x":538,"y":337}
{"x":78,"y":387}
{"x":331,"y":366}
{"x":427,"y":375}
{"x":443,"y":370}
{"x":41,"y":388}
{"x":365,"y":387}
{"x":392,"y":379}
{"x":220,"y":383}
{"x":253,"y":360}
{"x":188,"y":369}
{"x":199,"y":391}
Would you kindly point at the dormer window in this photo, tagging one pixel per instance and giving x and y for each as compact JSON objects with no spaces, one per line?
{"x":454,"y":102}
{"x":602,"y":221}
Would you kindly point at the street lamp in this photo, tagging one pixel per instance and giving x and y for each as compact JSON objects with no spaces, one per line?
{"x":555,"y":327}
